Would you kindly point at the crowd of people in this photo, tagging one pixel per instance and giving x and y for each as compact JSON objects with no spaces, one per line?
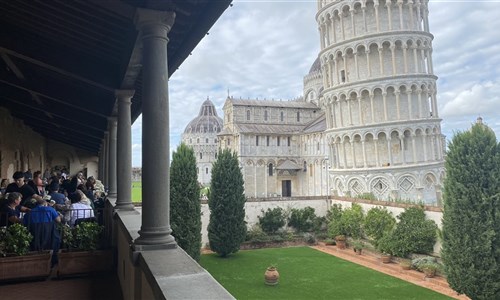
{"x":41,"y":198}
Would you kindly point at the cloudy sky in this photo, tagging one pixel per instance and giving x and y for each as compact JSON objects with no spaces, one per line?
{"x":263,"y":49}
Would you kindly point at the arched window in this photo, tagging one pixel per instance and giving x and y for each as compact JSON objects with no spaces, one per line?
{"x":298,"y":116}
{"x":201,"y":155}
{"x":265,"y":115}
{"x":197,"y":141}
{"x":248,"y":115}
{"x":267,"y":140}
{"x":288,"y":140}
{"x":215,"y":155}
{"x":206,"y":141}
{"x":206,"y":170}
{"x":256,"y":140}
{"x":282,"y":116}
{"x":278,"y":141}
{"x":305,"y":166}
{"x":270,"y":169}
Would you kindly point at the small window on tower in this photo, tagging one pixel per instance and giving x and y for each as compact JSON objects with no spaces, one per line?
{"x":206,"y":170}
{"x":256,"y":140}
{"x":267,"y":140}
{"x":248,"y":115}
{"x":201,"y":155}
{"x":298,"y":116}
{"x":342,"y":75}
{"x":288,"y":139}
{"x":278,"y":141}
{"x":265,"y":115}
{"x":206,"y":141}
{"x":282,"y":116}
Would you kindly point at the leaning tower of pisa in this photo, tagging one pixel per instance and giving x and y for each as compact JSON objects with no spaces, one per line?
{"x":379,"y":92}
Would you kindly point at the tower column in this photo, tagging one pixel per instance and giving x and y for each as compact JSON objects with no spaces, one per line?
{"x":349,"y":111}
{"x":424,"y":141}
{"x":345,"y":155}
{"x":364,"y":152}
{"x":155,"y":231}
{"x":405,"y":57}
{"x":372,"y":107}
{"x":410,"y":113}
{"x":377,"y":159}
{"x":342,"y":30}
{"x":389,"y":14}
{"x":398,"y":109}
{"x":393,"y":57}
{"x":334,"y":29}
{"x":360,"y":111}
{"x":414,"y":147}
{"x":376,"y":5}
{"x":384,"y":99}
{"x":340,"y":113}
{"x":403,"y":146}
{"x":381,"y":60}
{"x":400,"y":6}
{"x":367,"y":51}
{"x":355,"y":54}
{"x":353,"y":155}
{"x":363,"y":9}
{"x":389,"y":150}
{"x":353,"y":25}
{"x":419,"y":95}
{"x":410,"y":6}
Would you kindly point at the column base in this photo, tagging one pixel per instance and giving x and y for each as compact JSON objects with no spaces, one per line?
{"x":155,"y":240}
{"x":124,"y":206}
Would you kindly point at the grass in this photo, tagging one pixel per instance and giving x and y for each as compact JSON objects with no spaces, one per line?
{"x":306,"y":273}
{"x":137,"y":191}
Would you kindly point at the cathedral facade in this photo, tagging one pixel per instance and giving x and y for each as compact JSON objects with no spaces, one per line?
{"x":367,"y":125}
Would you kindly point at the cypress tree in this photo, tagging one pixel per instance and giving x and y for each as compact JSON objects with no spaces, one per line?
{"x":471,"y":218}
{"x":185,"y":206}
{"x":226,"y":201}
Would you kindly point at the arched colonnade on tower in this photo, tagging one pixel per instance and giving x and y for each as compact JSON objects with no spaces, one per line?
{"x":338,"y":23}
{"x":368,"y":60}
{"x":379,"y":104}
{"x":386,"y":148}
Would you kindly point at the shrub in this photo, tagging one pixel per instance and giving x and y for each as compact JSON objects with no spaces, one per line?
{"x":303,"y":220}
{"x":367,"y":196}
{"x":418,"y":262}
{"x":310,"y":238}
{"x":471,"y":216}
{"x":272,"y":220}
{"x":378,"y":221}
{"x":352,"y":221}
{"x":256,"y":235}
{"x":17,"y":239}
{"x":87,"y":235}
{"x":333,"y":217}
{"x":226,"y":201}
{"x":386,"y":244}
{"x":413,"y":233}
{"x":185,"y":206}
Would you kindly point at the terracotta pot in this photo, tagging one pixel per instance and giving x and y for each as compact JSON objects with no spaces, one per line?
{"x":386,"y":258}
{"x":271,"y":276}
{"x":429,"y":273}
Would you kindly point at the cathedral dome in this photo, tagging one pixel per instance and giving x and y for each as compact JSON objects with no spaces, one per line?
{"x":207,"y":120}
{"x":316,"y":66}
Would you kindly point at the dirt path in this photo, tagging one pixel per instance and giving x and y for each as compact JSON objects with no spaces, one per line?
{"x":372,"y":261}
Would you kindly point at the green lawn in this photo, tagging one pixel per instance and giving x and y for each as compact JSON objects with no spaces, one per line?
{"x":136,"y":191}
{"x":306,"y":273}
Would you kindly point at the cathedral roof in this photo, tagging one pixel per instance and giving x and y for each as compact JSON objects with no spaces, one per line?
{"x":207,"y":120}
{"x":318,"y":125}
{"x":316,"y":66}
{"x":268,"y":128}
{"x":271,"y":103}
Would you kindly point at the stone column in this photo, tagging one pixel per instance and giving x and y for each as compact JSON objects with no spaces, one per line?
{"x":381,"y":59}
{"x":341,"y":113}
{"x":105,"y":163}
{"x":363,"y":8}
{"x":360,"y":112}
{"x":372,"y":108}
{"x":408,"y":94}
{"x":389,"y":151}
{"x":353,"y":25}
{"x":405,"y":57}
{"x":375,"y":5}
{"x":124,"y":151}
{"x":377,"y":159}
{"x":112,"y":157}
{"x":364,"y":153}
{"x":367,"y":51}
{"x":384,"y":100}
{"x":155,"y":231}
{"x":414,"y":147}
{"x":355,"y":54}
{"x":334,"y":29}
{"x":400,"y":5}
{"x":393,"y":58}
{"x":353,"y":154}
{"x":101,"y":160}
{"x":412,"y":22}
{"x":389,"y":13}
{"x":398,"y":108}
{"x":419,"y":97}
{"x":342,"y":30}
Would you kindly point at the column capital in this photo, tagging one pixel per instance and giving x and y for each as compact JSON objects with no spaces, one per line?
{"x":112,"y":120}
{"x":147,"y":17}
{"x":124,"y":94}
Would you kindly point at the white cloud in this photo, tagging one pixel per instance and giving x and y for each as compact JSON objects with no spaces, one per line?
{"x":264,"y":48}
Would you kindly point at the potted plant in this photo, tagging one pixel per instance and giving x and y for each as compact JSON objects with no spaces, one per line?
{"x":429,"y":269}
{"x":16,"y":261}
{"x":357,"y":246}
{"x":385,"y":246}
{"x":405,"y":264}
{"x":340,"y":241}
{"x":329,"y":242}
{"x":81,"y":250}
{"x":271,"y":276}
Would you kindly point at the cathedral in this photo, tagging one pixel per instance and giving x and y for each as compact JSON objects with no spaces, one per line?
{"x":367,"y":125}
